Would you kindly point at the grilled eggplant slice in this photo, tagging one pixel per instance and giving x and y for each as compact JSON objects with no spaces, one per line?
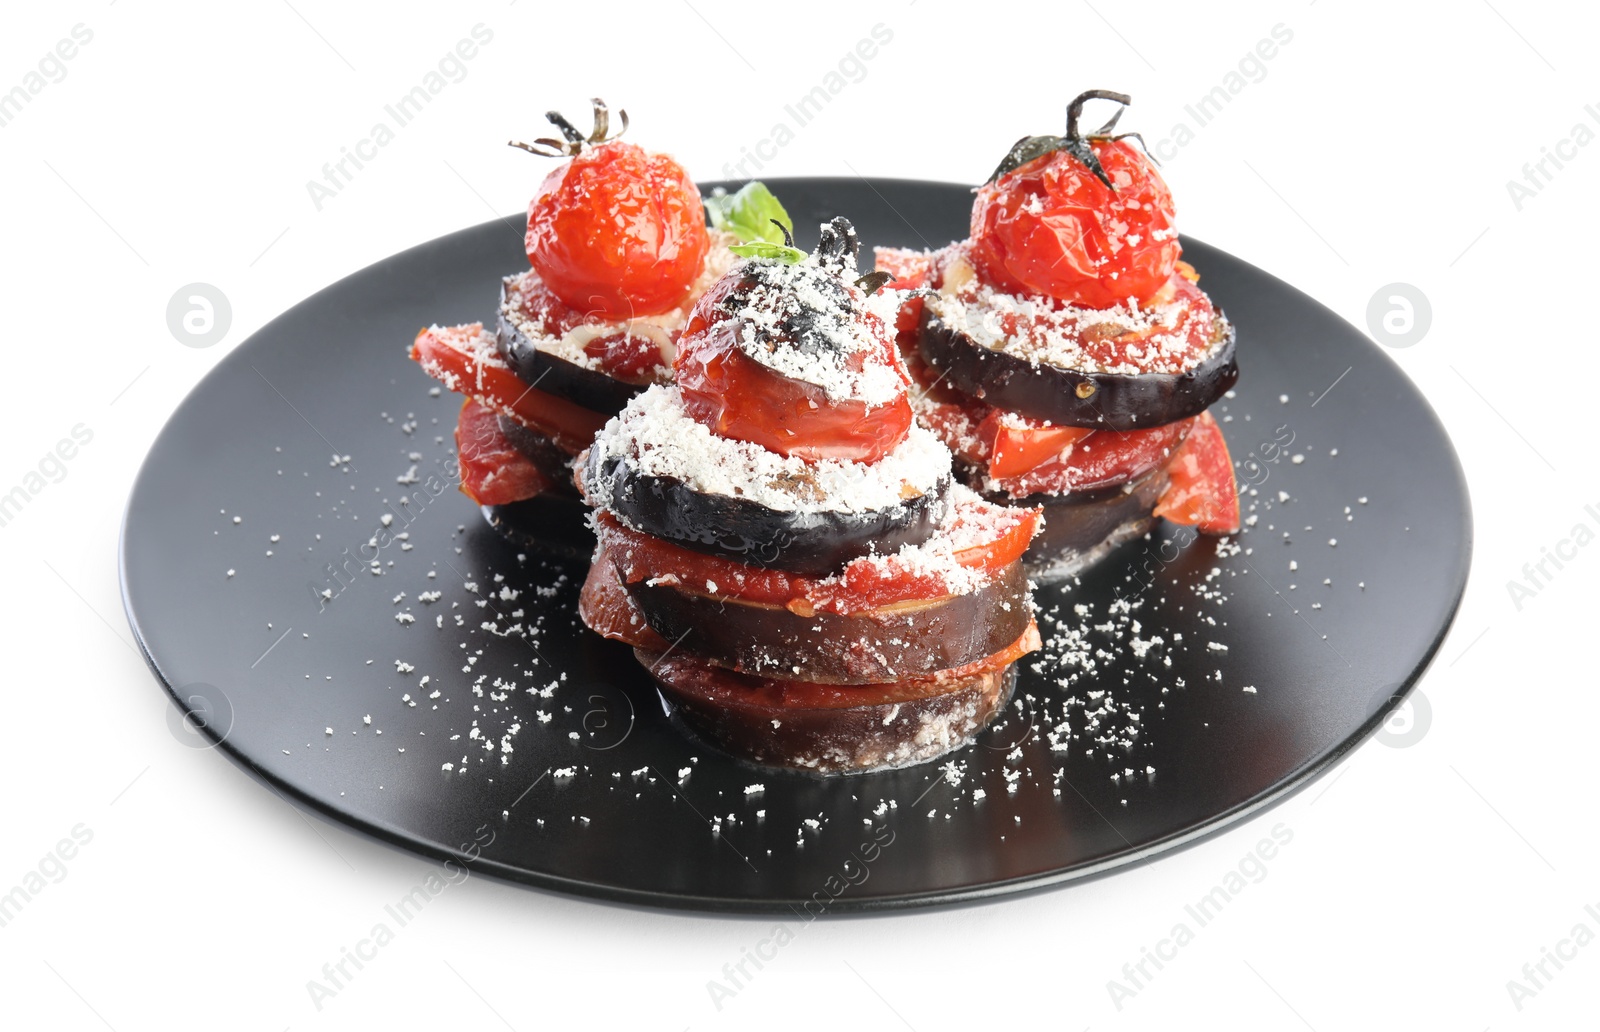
{"x":1071,"y":397}
{"x":873,"y":646}
{"x":1080,"y":529}
{"x":810,"y":543}
{"x":550,"y":524}
{"x":590,"y":388}
{"x":543,"y":452}
{"x":825,"y":728}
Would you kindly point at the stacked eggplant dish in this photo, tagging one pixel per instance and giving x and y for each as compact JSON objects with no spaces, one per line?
{"x":1065,"y":352}
{"x":618,"y":250}
{"x":785,"y":549}
{"x":814,"y":499}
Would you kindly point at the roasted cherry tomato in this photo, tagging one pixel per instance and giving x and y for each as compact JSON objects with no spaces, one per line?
{"x":465,"y":359}
{"x":737,"y":397}
{"x":493,"y":472}
{"x":618,"y":232}
{"x":1053,"y":227}
{"x":1203,"y":493}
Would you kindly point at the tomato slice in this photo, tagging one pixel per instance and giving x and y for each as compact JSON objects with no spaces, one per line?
{"x":609,"y":611}
{"x":1097,"y":460}
{"x":908,"y":326}
{"x":465,"y":359}
{"x":1203,"y":493}
{"x":1025,"y":456}
{"x":540,"y":306}
{"x":987,"y":538}
{"x":910,"y":269}
{"x":956,"y":425}
{"x":1017,"y":444}
{"x":493,"y":472}
{"x":632,"y":358}
{"x":739,"y":398}
{"x":982,"y":538}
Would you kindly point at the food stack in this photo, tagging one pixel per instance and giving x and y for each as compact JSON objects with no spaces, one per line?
{"x":786,"y":551}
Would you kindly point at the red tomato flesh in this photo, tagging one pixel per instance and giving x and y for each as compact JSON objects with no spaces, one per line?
{"x":1052,"y":228}
{"x":493,"y":472}
{"x":737,"y":397}
{"x":609,"y":611}
{"x":1203,"y":493}
{"x":909,"y":268}
{"x":464,"y":359}
{"x":1017,"y":444}
{"x":1025,"y":456}
{"x":1000,"y":542}
{"x":1098,"y":459}
{"x":618,"y":232}
{"x":633,"y":359}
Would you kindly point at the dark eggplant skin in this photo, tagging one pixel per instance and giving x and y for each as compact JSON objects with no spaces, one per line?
{"x":1080,"y":529}
{"x":587,"y":387}
{"x":811,"y":544}
{"x":876,"y":646}
{"x":549,"y":524}
{"x":1069,"y":397}
{"x":756,"y":722}
{"x":543,"y":453}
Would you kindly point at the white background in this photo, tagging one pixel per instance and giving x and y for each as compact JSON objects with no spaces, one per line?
{"x":1376,"y":149}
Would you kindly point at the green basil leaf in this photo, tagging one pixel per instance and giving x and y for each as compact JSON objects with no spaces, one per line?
{"x":748,"y":214}
{"x":765,"y":249}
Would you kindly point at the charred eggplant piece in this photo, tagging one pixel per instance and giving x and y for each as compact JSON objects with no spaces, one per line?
{"x":543,"y":453}
{"x":550,"y":524}
{"x":827,"y":729}
{"x":1079,"y":530}
{"x":1070,"y":397}
{"x":875,"y":646}
{"x":587,"y":387}
{"x":812,"y":544}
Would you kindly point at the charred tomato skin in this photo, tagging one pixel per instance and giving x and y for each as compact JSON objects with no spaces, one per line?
{"x":618,"y":232}
{"x":1052,"y":228}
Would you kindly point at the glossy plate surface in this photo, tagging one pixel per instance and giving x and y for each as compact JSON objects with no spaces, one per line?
{"x":1209,"y":682}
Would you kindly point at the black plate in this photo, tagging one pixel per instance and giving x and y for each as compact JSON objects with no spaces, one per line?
{"x":325,"y":395}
